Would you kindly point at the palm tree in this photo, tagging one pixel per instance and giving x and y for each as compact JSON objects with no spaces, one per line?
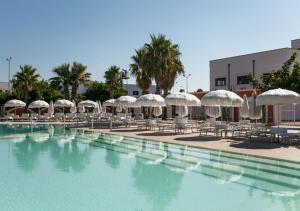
{"x":63,"y":78}
{"x":138,"y":69}
{"x":163,"y":62}
{"x":113,"y":79}
{"x":25,"y":80}
{"x":78,"y":76}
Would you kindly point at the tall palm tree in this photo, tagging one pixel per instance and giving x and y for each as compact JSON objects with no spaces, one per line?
{"x":25,"y":80}
{"x":113,"y":79}
{"x":138,"y":69}
{"x":79,"y":75}
{"x":63,"y":78}
{"x":163,"y":61}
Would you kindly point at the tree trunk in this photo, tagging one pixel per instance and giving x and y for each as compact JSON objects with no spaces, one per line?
{"x":165,"y":92}
{"x":26,"y":97}
{"x":74,"y":91}
{"x":158,"y":89}
{"x":111,"y":94}
{"x":66,"y":92}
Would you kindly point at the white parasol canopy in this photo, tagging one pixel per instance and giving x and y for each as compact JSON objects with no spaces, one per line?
{"x":81,"y":109}
{"x":14,"y":103}
{"x":183,"y":99}
{"x":222,"y":98}
{"x":73,"y":109}
{"x":38,"y":104}
{"x":87,"y":103}
{"x":119,"y":109}
{"x":182,"y":111}
{"x":97,"y":109}
{"x":278,"y":97}
{"x":150,"y":100}
{"x":109,"y":102}
{"x":51,"y":108}
{"x":63,"y":103}
{"x":125,"y":101}
{"x":157,"y":111}
{"x":255,"y":112}
{"x":100,"y":106}
{"x":244,"y":112}
{"x":213,"y":111}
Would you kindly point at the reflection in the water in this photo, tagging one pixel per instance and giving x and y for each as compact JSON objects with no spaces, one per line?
{"x":158,"y":171}
{"x":67,"y":154}
{"x":148,"y":177}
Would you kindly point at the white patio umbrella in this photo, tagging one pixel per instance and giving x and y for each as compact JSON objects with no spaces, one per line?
{"x":109,"y":102}
{"x":125,"y":101}
{"x":183,"y":99}
{"x":100,"y":106}
{"x":255,"y":111}
{"x":81,"y":109}
{"x":39,"y":104}
{"x":63,"y":104}
{"x":88,"y":103}
{"x":51,"y":108}
{"x":213,"y":111}
{"x":14,"y":104}
{"x":182,"y":111}
{"x":97,"y":109}
{"x":150,"y":100}
{"x":157,"y":111}
{"x":119,"y":109}
{"x":244,"y":112}
{"x":222,"y":98}
{"x":73,"y":108}
{"x":278,"y":97}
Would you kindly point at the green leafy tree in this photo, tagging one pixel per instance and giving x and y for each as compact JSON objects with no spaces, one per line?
{"x":97,"y":91}
{"x":44,"y":91}
{"x":287,"y":77}
{"x":25,"y":81}
{"x":138,"y":69}
{"x":62,"y":78}
{"x":79,"y":75}
{"x":163,"y":62}
{"x":199,"y":90}
{"x":113,"y":80}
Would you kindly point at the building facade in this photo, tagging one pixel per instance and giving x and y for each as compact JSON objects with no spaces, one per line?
{"x":231,"y":74}
{"x":4,"y":86}
{"x":135,"y":91}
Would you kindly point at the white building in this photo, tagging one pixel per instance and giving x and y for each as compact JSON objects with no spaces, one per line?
{"x":134,"y":90}
{"x":231,"y":73}
{"x":4,"y":86}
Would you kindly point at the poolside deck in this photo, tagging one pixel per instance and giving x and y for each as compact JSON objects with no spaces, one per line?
{"x":255,"y":147}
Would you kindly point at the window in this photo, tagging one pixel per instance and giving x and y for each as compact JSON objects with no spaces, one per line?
{"x":220,"y":81}
{"x":242,"y":80}
{"x":135,"y":93}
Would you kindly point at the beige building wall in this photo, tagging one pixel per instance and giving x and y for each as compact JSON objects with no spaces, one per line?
{"x":256,"y":63}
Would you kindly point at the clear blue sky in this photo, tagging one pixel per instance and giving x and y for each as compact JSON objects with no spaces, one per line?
{"x":103,"y":33}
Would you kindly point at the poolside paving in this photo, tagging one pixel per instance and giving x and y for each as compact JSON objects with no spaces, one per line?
{"x":256,"y":147}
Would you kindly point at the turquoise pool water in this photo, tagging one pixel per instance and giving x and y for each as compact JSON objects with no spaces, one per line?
{"x":55,"y":168}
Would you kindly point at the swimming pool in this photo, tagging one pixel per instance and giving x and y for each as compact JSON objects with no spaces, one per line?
{"x":56,"y":168}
